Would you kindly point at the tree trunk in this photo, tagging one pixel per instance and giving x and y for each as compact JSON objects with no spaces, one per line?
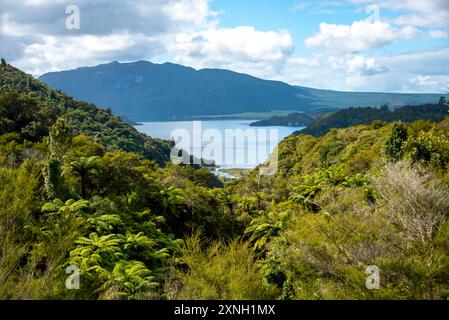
{"x":83,"y":186}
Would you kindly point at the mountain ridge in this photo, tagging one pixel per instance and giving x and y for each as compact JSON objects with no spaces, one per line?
{"x":146,"y":91}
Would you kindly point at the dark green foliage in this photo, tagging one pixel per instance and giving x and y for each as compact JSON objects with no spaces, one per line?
{"x":106,"y":214}
{"x":334,"y":207}
{"x":59,"y":142}
{"x":31,"y":245}
{"x":202,"y":176}
{"x":274,"y":272}
{"x":291,"y":120}
{"x":393,"y":145}
{"x":52,"y":178}
{"x":83,"y":168}
{"x":378,"y":124}
{"x":355,"y":116}
{"x":425,"y":143}
{"x":329,"y":152}
{"x":30,"y":108}
{"x":22,"y":115}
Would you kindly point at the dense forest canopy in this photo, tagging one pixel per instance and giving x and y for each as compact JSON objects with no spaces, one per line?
{"x":355,"y":116}
{"x":85,"y":118}
{"x":82,"y":190}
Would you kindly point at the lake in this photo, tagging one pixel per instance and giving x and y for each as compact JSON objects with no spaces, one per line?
{"x":231,"y":144}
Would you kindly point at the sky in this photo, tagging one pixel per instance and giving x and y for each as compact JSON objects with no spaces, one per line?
{"x":347,"y":45}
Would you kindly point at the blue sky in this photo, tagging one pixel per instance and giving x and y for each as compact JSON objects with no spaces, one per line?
{"x":350,"y":45}
{"x":302,"y":19}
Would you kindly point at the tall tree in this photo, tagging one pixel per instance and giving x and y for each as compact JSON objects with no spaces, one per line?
{"x":52,"y":174}
{"x":83,"y":166}
{"x":60,"y":139}
{"x":393,"y":145}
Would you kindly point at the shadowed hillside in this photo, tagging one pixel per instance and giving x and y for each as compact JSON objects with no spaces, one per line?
{"x":100,"y":124}
{"x":144,"y":91}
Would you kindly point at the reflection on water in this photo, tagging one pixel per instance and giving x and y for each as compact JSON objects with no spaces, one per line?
{"x":230,"y":143}
{"x":219,"y":172}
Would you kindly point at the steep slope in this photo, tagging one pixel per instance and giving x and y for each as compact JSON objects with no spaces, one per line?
{"x":356,"y":197}
{"x":107,"y":129}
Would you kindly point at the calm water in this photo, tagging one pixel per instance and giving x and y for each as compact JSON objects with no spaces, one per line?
{"x":230,"y":143}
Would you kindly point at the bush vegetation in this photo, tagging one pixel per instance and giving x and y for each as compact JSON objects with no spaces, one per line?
{"x":80,"y":188}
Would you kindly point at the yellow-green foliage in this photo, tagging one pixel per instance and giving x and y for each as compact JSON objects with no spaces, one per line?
{"x":335,"y":206}
{"x":219,"y":271}
{"x":32,"y":250}
{"x":349,"y":208}
{"x":17,"y":196}
{"x":355,"y":150}
{"x":325,"y":255}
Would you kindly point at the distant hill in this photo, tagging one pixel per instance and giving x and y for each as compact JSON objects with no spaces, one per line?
{"x":355,"y":116}
{"x":292,"y":120}
{"x":143,"y":91}
{"x":44,"y":105}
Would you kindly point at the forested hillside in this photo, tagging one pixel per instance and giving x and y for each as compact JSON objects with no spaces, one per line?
{"x":43,"y":105}
{"x":70,"y":197}
{"x":292,"y":120}
{"x":371,"y":195}
{"x":145,"y":91}
{"x":72,"y":194}
{"x":355,"y":116}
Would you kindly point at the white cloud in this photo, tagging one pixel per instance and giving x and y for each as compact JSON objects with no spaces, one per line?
{"x":33,"y":37}
{"x":359,"y":36}
{"x":190,"y":11}
{"x":187,"y":30}
{"x":419,"y":13}
{"x":41,"y":2}
{"x":304,"y":61}
{"x":431,"y":62}
{"x":437,"y":84}
{"x":408,"y":32}
{"x":421,"y":71}
{"x":71,"y":52}
{"x":345,"y":64}
{"x":438,"y":34}
{"x":241,"y":48}
{"x":365,"y":66}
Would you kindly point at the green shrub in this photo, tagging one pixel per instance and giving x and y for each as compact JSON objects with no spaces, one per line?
{"x":220,"y":272}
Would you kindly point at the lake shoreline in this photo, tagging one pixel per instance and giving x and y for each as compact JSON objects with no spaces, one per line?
{"x":231,"y":144}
